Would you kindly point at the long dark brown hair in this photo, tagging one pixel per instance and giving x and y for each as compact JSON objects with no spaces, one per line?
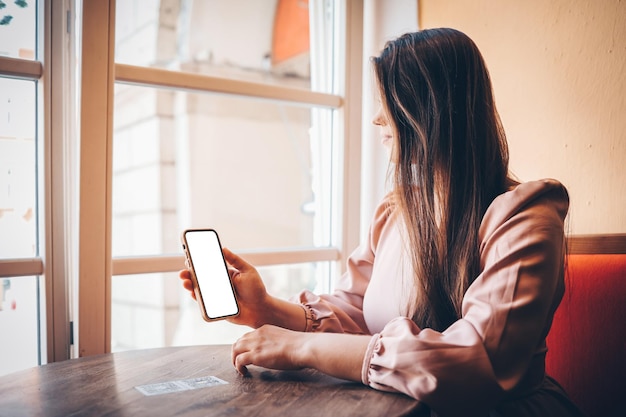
{"x":451,"y":161}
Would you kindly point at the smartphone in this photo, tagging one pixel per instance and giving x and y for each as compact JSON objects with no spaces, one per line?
{"x":213,"y":288}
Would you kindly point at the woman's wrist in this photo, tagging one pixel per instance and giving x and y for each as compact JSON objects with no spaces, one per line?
{"x":283,"y":313}
{"x":337,"y":354}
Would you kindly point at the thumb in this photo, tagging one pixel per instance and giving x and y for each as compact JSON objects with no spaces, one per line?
{"x":236,"y":261}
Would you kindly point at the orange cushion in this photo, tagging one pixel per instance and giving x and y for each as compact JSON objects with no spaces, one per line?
{"x":587,"y":341}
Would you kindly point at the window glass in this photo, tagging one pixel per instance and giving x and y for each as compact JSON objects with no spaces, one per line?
{"x":18,"y":225}
{"x":258,"y":172}
{"x":19,"y":324}
{"x":266,"y":41}
{"x":20,"y":297}
{"x":17,"y":28}
{"x":262,"y":173}
{"x":153,"y":310}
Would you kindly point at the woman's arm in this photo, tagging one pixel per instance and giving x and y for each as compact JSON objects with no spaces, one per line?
{"x":335,"y":354}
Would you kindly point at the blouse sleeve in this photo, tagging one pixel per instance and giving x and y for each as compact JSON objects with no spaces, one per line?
{"x":506,"y":313}
{"x":342,"y":311}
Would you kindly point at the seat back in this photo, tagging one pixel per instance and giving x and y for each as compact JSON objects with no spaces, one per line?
{"x":587,"y":341}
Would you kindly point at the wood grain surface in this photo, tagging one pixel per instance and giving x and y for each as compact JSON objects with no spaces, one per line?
{"x":104,"y":385}
{"x":596,"y":244}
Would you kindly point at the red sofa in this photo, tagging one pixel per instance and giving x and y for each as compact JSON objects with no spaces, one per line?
{"x":587,"y":341}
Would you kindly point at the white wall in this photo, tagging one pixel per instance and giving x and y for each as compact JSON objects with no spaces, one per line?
{"x":558,"y":72}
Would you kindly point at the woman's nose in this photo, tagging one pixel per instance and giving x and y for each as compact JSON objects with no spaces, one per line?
{"x":379,"y":118}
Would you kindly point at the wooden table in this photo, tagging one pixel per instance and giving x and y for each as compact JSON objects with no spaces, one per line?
{"x":106,"y":385}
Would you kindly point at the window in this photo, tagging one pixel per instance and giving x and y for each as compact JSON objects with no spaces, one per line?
{"x":226,"y":114}
{"x":169,"y":109}
{"x":34,"y":314}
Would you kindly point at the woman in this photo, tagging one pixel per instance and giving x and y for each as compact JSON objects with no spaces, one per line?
{"x":451,"y":297}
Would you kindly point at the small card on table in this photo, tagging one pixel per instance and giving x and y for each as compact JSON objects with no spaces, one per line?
{"x":179,"y":385}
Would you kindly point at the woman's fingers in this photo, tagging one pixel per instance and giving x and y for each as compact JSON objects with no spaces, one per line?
{"x":236,"y":261}
{"x":241,"y":361}
{"x":240,"y":356}
{"x":185,"y":276}
{"x":188,"y":285}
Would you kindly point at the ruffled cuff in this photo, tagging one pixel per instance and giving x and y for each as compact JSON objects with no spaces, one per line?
{"x":373,"y":346}
{"x":320,"y":317}
{"x":314,"y":311}
{"x":329,"y":313}
{"x":311,"y":322}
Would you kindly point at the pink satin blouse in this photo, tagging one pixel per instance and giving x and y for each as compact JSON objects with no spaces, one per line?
{"x":495,"y":352}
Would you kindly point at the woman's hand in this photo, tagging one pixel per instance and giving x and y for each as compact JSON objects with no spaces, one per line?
{"x":270,"y":347}
{"x":254,"y":301}
{"x":252,"y":297}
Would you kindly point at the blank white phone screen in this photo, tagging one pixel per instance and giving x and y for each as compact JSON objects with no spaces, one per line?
{"x":213,"y":280}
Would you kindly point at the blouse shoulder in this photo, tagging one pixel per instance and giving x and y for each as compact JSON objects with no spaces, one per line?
{"x":385,"y":210}
{"x":546,"y":199}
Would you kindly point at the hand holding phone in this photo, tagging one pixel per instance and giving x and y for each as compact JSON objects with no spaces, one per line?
{"x":213,"y":288}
